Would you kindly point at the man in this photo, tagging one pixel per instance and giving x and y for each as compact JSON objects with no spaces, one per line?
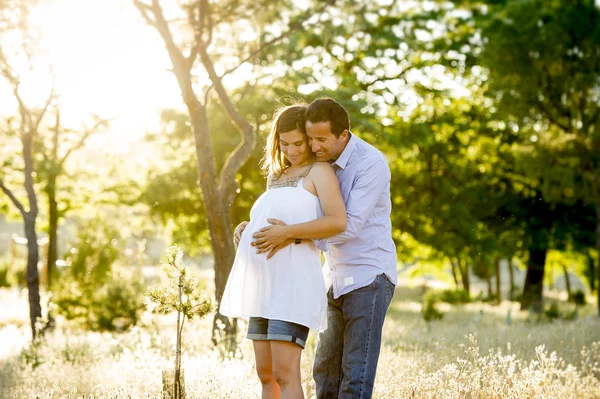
{"x":360,"y":263}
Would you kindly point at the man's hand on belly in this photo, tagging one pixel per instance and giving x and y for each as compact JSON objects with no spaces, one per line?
{"x":271,"y":239}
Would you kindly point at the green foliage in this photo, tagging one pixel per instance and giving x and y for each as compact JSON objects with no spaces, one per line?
{"x":11,"y":275}
{"x":578,"y":298}
{"x":116,"y":304}
{"x":454,"y":297}
{"x":95,"y":250}
{"x":430,"y":311}
{"x":4,"y":274}
{"x":181,"y":294}
{"x":552,"y":312}
{"x":90,"y":291}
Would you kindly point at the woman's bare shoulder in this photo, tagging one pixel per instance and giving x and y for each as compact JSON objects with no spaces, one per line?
{"x":321,"y":166}
{"x":322,"y":171}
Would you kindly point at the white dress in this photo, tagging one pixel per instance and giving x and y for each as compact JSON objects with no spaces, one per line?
{"x":290,"y":285}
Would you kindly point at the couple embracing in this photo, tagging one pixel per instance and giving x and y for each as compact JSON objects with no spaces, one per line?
{"x":327,"y":191}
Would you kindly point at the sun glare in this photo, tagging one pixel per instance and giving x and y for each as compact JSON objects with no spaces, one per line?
{"x":107,"y":63}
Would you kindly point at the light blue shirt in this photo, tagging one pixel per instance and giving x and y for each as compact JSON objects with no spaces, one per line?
{"x":366,"y":249}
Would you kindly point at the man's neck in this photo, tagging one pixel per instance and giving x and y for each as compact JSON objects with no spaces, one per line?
{"x":342,"y":151}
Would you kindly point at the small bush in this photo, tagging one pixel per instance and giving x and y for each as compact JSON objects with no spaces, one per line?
{"x":4,"y":276}
{"x":430,"y":310}
{"x":11,"y":275}
{"x":578,"y":298}
{"x":552,"y":312}
{"x":115,"y":305}
{"x":455,"y":296}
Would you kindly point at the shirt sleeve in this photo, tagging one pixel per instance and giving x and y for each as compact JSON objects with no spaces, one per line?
{"x":321,"y":243}
{"x":364,"y":195}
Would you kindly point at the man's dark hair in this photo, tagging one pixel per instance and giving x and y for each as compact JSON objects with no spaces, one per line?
{"x":328,"y":110}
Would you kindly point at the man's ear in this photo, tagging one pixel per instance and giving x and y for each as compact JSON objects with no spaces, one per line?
{"x":345,"y":134}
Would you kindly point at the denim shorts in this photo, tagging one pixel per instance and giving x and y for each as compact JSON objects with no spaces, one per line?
{"x":260,"y":329}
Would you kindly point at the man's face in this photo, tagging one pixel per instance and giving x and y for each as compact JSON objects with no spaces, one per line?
{"x":323,"y":142}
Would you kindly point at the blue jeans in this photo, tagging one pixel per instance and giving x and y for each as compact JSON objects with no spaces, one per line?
{"x":348,"y":351}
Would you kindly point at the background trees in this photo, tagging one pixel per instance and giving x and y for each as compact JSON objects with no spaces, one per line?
{"x":487,"y":112}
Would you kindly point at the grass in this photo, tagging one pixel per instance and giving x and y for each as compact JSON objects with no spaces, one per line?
{"x":470,"y":353}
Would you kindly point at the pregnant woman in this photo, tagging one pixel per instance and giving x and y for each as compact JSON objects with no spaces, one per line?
{"x":284,"y":295}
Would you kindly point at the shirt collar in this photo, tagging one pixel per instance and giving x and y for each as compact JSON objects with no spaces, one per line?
{"x":342,"y":160}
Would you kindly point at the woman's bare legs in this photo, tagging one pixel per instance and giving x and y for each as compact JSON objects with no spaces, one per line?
{"x":264,"y":369}
{"x":286,"y":368}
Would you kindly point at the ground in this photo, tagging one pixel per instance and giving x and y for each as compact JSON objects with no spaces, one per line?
{"x":473,"y":352}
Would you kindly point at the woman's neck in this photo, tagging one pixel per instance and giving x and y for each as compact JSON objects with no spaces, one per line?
{"x":302,"y":164}
{"x":293,"y":169}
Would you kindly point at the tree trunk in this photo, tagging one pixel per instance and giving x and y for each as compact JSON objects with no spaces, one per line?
{"x":464,"y":274}
{"x":454,"y":276}
{"x":567,"y":280}
{"x":534,"y":281}
{"x":219,"y":222}
{"x":217,"y":208}
{"x":511,"y":274}
{"x":591,"y":272}
{"x":490,"y":291}
{"x":29,"y":219}
{"x":52,"y":232}
{"x":32,"y":276}
{"x":598,"y":252}
{"x":498,"y":285}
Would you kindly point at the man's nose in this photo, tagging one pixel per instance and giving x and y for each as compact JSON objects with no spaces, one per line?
{"x":314,"y":146}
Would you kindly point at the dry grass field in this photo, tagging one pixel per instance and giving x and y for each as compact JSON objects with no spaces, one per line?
{"x":471,"y":353}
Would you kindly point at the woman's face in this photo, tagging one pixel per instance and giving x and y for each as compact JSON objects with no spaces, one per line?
{"x":294,"y":147}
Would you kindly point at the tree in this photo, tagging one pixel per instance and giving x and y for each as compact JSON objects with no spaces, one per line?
{"x":26,"y":130}
{"x":55,"y":151}
{"x":210,"y":29}
{"x":183,"y":296}
{"x":544,"y":62}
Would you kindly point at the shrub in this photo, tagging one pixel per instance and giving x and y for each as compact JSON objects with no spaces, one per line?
{"x":552,"y":312}
{"x":4,"y":276}
{"x":90,"y":292}
{"x":10,"y":274}
{"x":430,"y":310}
{"x":115,"y":305}
{"x":578,"y":298}
{"x":455,"y":296}
{"x":96,"y":250}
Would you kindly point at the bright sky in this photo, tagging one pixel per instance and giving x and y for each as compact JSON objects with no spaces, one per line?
{"x":107,"y":62}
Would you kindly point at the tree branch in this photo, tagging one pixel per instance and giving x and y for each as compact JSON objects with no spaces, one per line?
{"x":162,"y":27}
{"x":14,"y":199}
{"x":36,"y":124}
{"x":553,"y":119}
{"x":292,"y":28}
{"x":87,"y":133}
{"x":241,"y":153}
{"x":401,"y":74}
